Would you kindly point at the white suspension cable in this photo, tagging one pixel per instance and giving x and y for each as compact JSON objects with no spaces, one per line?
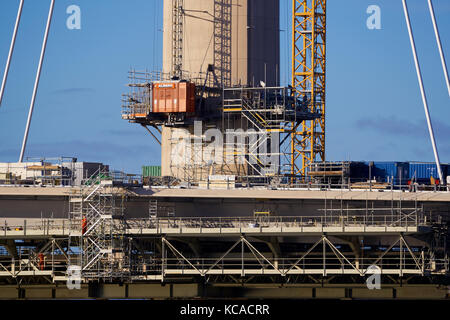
{"x":438,"y":40}
{"x":36,"y":83}
{"x":11,"y":50}
{"x":422,"y":91}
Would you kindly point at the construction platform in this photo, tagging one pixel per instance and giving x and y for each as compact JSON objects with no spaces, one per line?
{"x":157,"y":235}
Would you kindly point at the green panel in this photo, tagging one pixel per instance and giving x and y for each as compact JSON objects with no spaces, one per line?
{"x":151,"y":171}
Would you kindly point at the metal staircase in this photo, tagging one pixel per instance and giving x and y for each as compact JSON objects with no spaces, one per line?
{"x":266,"y":111}
{"x":97,"y":219}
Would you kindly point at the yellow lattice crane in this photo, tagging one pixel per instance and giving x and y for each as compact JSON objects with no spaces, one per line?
{"x":308,"y":79}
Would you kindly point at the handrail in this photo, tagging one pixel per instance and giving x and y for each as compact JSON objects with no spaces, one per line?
{"x":413,"y":219}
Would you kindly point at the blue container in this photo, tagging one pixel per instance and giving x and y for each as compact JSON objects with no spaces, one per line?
{"x":387,"y":171}
{"x":423,"y":171}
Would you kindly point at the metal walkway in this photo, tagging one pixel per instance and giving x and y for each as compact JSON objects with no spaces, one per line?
{"x":412,"y":222}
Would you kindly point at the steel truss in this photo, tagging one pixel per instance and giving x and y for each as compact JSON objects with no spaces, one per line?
{"x":160,"y":258}
{"x":249,"y":261}
{"x":308,"y":78}
{"x":177,"y":37}
{"x":222,"y":41}
{"x":50,"y":261}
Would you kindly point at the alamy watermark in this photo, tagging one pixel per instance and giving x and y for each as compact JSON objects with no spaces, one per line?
{"x":73,"y":22}
{"x":73,"y":277}
{"x":374,"y":20}
{"x":232,"y":147}
{"x":374,"y":281}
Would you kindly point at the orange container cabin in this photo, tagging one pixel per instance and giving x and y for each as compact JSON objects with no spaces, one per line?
{"x":173,"y":97}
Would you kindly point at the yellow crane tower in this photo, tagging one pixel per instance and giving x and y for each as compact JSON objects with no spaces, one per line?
{"x":308,"y":78}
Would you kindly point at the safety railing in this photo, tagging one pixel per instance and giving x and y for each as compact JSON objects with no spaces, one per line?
{"x":282,"y":266}
{"x":44,"y":227}
{"x":273,"y":181}
{"x":411,"y":220}
{"x":63,"y":227}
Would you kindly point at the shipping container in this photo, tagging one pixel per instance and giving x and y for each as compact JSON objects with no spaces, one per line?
{"x":390,"y":171}
{"x":173,"y":97}
{"x":423,"y":171}
{"x":151,"y":171}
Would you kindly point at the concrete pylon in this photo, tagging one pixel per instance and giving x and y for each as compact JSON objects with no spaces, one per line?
{"x":240,"y":38}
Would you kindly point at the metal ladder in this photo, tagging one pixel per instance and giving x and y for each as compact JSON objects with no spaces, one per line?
{"x":153,"y":208}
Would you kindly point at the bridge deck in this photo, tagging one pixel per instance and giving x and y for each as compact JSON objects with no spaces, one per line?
{"x":272,"y":226}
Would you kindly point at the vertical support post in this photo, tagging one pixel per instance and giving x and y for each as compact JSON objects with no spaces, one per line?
{"x":422,"y":90}
{"x":423,"y":261}
{"x":36,"y":83}
{"x":53,"y":256}
{"x":438,"y":41}
{"x":324,"y":268}
{"x":242,"y":257}
{"x":163,"y":252}
{"x":11,"y":50}
{"x":401,"y":255}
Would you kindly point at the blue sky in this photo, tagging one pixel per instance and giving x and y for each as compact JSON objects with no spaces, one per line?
{"x":374,"y":108}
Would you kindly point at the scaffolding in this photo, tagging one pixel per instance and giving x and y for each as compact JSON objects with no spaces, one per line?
{"x":39,"y":171}
{"x":264,"y":114}
{"x":97,"y":217}
{"x":137,"y":104}
{"x":246,"y":142}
